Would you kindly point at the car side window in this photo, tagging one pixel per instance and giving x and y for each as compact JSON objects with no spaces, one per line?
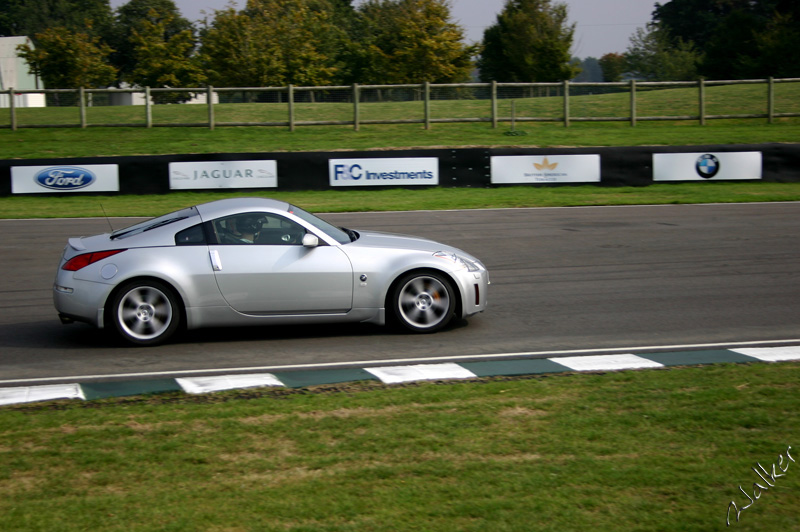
{"x":261,"y":229}
{"x":193,"y":236}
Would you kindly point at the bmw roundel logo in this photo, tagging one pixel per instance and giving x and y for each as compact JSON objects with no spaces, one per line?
{"x":65,"y":177}
{"x":707,"y":166}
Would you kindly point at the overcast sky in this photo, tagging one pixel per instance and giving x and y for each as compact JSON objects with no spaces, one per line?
{"x":603,"y":26}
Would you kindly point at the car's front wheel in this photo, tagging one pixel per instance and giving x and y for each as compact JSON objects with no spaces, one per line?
{"x":145,"y":312}
{"x":423,"y":301}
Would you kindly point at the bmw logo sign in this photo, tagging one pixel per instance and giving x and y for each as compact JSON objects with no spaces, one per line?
{"x":707,"y":166}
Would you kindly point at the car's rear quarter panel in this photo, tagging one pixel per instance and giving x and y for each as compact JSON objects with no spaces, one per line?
{"x":187,"y":269}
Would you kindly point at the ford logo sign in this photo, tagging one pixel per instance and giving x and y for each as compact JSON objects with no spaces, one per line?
{"x":65,"y":178}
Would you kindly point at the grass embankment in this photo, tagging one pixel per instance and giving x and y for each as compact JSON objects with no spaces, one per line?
{"x":640,"y":450}
{"x":91,"y":142}
{"x":64,"y":143}
{"x":71,"y":206}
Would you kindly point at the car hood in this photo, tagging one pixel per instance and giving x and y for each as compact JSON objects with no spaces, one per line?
{"x":390,"y":240}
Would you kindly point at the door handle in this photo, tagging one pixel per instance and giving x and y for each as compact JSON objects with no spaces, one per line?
{"x":216,"y":263}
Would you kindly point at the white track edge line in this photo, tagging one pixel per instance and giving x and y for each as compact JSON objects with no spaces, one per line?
{"x":402,"y":361}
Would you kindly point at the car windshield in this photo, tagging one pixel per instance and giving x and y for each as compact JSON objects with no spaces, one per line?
{"x":341,"y":235}
{"x":155,"y":222}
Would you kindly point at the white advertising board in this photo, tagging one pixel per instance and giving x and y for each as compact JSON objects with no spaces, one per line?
{"x":545,"y":169}
{"x":383,"y":172}
{"x":63,"y":179}
{"x":223,"y":174}
{"x":706,"y":166}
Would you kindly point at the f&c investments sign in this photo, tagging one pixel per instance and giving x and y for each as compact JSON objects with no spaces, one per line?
{"x":383,"y":172}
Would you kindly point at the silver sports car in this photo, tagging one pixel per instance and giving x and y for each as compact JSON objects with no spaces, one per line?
{"x":256,"y":261}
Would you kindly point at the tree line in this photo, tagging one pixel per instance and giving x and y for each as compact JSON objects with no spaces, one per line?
{"x":84,"y":43}
{"x":714,"y":39}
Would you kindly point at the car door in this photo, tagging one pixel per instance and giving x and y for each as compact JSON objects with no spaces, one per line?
{"x":261,"y":267}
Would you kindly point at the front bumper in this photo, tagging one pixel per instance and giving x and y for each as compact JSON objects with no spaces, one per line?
{"x":474,"y":290}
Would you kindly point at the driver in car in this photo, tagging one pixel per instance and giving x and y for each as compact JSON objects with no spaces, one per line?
{"x":243,"y":229}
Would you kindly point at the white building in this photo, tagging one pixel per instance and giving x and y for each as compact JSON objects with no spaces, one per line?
{"x":14,"y":74}
{"x":137,"y":98}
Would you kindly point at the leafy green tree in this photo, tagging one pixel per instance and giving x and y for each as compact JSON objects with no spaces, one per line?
{"x":271,"y":43}
{"x":305,"y":38}
{"x":738,"y":38}
{"x":750,"y":43}
{"x":410,"y":41}
{"x":529,"y":42}
{"x":10,"y":18}
{"x":65,"y":59}
{"x":138,"y":16}
{"x":731,"y":51}
{"x":652,"y":57}
{"x":233,"y":51}
{"x":613,"y":66}
{"x":30,"y":17}
{"x":779,"y":47}
{"x":694,"y":21}
{"x":164,"y":61}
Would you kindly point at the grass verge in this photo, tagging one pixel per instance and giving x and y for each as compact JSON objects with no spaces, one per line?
{"x":67,"y":206}
{"x":637,"y":450}
{"x":97,"y":142}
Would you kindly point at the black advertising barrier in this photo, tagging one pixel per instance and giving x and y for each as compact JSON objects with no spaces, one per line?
{"x":458,"y":167}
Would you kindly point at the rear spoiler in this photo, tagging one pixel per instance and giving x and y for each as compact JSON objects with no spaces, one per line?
{"x":77,"y":244}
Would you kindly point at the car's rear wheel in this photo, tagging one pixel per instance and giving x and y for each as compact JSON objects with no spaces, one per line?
{"x":423,"y":302}
{"x":145,"y":312}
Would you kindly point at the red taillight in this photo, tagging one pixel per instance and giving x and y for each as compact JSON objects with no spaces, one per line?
{"x":81,"y":261}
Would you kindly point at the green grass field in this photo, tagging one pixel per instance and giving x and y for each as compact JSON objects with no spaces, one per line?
{"x":95,"y":142}
{"x":654,"y":450}
{"x":73,"y":206}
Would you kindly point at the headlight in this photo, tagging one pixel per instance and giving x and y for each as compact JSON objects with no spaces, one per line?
{"x":469,"y":264}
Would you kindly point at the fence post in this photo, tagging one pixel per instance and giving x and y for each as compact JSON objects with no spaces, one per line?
{"x":426,"y":90}
{"x":210,"y":102}
{"x":81,"y":95}
{"x":702,"y":86}
{"x":290,"y":96}
{"x":566,"y":103}
{"x":771,"y":100}
{"x":356,"y":107}
{"x":12,"y":109}
{"x":494,"y":104}
{"x":513,"y":115}
{"x":633,"y":103}
{"x":148,"y":108}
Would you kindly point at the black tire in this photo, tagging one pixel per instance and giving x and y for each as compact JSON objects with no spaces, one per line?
{"x":145,"y":312}
{"x":423,"y":302}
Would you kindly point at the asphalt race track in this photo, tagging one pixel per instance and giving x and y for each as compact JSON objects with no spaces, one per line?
{"x":563,"y":279}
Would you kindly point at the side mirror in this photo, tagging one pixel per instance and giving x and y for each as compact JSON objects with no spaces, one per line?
{"x":310,"y":241}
